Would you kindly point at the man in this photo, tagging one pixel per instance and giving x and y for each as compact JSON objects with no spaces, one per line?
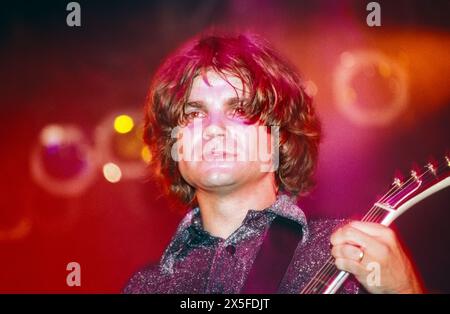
{"x":227,"y":87}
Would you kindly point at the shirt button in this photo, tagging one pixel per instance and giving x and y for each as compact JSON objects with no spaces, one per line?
{"x":231,"y":249}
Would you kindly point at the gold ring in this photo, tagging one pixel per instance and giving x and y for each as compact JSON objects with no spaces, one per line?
{"x":361,"y":254}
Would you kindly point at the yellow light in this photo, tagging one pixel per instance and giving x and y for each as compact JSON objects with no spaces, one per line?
{"x":112,"y":172}
{"x":145,"y":154}
{"x":123,"y":124}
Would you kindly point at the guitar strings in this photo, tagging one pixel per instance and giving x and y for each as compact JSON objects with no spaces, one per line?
{"x":327,"y":266}
{"x":329,"y":269}
{"x":378,"y":213}
{"x":372,"y":216}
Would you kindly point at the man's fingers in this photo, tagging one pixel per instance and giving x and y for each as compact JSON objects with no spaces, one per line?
{"x":347,"y":251}
{"x":374,"y":229}
{"x":350,"y":235}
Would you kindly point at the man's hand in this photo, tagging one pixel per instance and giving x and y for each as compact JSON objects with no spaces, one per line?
{"x":357,"y":244}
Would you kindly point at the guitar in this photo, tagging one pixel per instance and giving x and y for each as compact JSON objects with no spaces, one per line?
{"x":401,"y":197}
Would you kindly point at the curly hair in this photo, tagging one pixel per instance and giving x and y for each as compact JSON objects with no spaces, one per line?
{"x":277,"y":98}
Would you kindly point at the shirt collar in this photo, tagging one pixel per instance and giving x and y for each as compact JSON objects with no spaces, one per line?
{"x":190,"y":232}
{"x":287,"y":207}
{"x":284,"y":206}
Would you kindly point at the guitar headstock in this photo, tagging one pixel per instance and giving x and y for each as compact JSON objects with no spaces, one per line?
{"x":404,"y":193}
{"x":420,"y":179}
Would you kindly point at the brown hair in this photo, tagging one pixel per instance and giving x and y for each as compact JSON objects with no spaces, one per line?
{"x":277,"y":98}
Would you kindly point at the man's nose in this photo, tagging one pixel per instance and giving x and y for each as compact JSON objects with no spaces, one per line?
{"x":215,"y":126}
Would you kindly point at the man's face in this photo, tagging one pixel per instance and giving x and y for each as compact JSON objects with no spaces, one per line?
{"x":224,"y":149}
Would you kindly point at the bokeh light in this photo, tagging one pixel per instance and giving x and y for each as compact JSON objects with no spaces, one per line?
{"x":119,"y":140}
{"x":370,"y":88}
{"x":123,"y":124}
{"x":112,"y":172}
{"x":146,"y":154}
{"x":62,"y":161}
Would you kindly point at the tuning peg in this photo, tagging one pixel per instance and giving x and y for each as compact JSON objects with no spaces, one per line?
{"x":432,"y":165}
{"x":415,"y":172}
{"x":398,"y":179}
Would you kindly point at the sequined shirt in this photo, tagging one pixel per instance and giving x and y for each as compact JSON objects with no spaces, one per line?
{"x":197,"y":262}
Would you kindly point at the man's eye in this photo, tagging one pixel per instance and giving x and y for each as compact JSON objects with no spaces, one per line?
{"x":238,"y":112}
{"x":194,"y":115}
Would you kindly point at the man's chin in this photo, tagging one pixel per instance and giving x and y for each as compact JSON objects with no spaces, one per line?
{"x":216,"y":178}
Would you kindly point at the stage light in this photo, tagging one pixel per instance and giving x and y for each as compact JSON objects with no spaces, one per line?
{"x":370,"y":89}
{"x":112,"y":172}
{"x":52,"y":134}
{"x":123,"y":124}
{"x":62,"y":161}
{"x":118,"y":139}
{"x":146,"y":154}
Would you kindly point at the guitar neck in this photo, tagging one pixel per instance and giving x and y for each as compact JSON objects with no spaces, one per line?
{"x":401,"y":197}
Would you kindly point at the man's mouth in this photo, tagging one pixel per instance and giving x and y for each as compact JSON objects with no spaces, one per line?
{"x":219,"y":155}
